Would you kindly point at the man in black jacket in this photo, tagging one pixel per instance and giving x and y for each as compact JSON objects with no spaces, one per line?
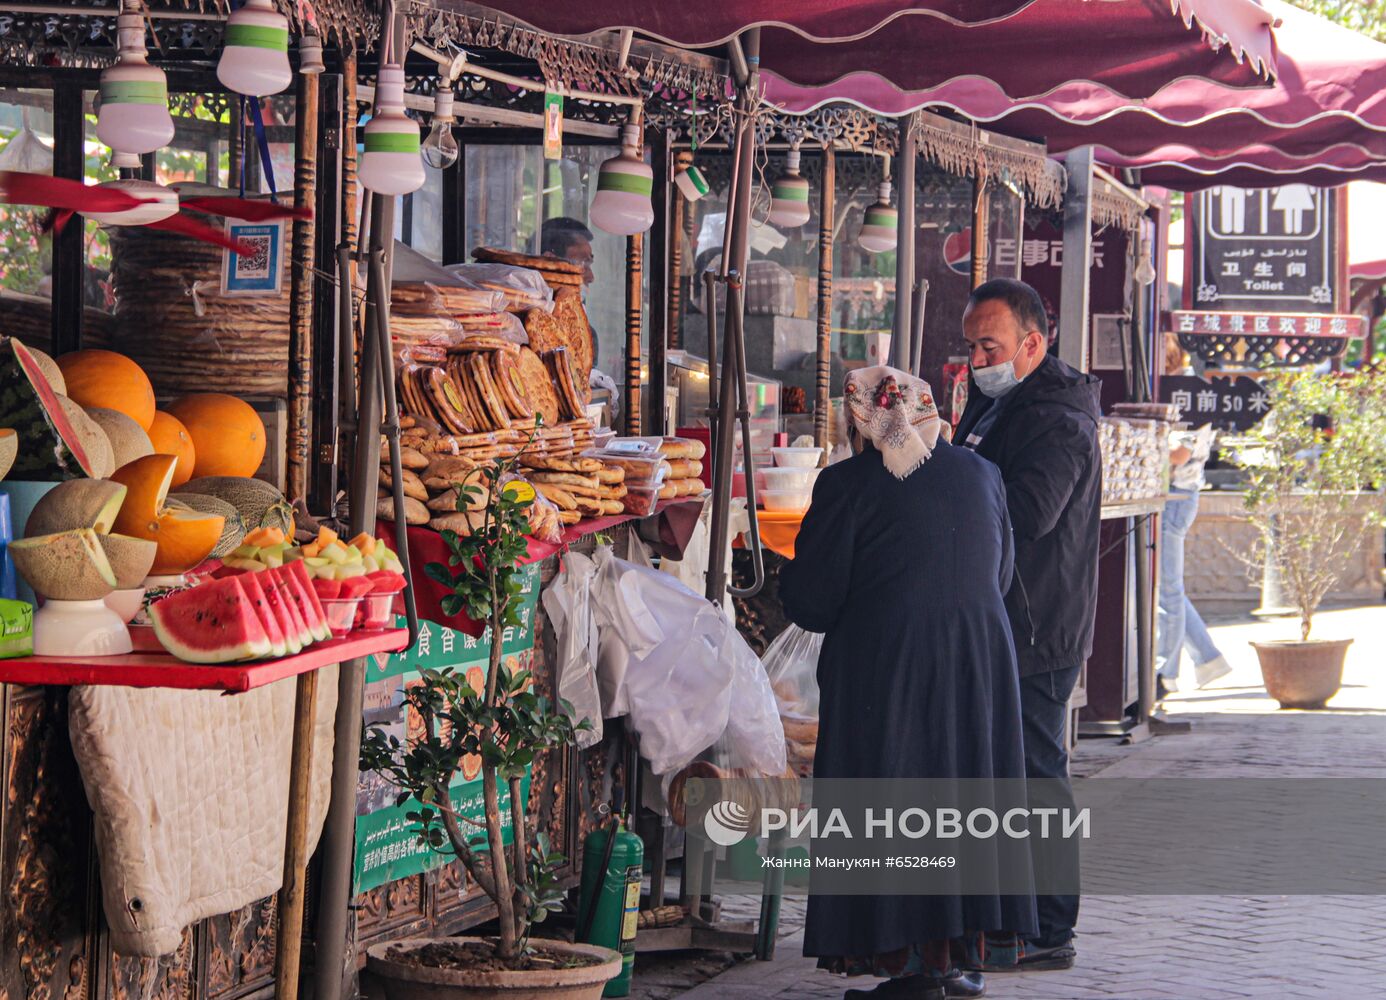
{"x":1035,"y":417}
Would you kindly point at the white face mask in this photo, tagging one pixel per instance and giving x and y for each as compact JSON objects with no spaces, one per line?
{"x":998,"y":379}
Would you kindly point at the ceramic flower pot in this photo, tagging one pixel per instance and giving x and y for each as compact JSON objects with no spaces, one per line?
{"x":405,"y":980}
{"x":1302,"y":674}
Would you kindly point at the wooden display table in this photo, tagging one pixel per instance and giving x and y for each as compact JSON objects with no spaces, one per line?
{"x":161,"y":670}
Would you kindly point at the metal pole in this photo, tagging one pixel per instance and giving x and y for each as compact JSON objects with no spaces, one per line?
{"x":827,"y":210}
{"x":921,"y":300}
{"x":1145,"y":659}
{"x":301,"y":284}
{"x":734,"y":255}
{"x":1074,"y":279}
{"x":900,"y":350}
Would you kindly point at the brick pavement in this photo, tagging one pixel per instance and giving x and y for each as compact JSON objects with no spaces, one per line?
{"x":1183,"y":947}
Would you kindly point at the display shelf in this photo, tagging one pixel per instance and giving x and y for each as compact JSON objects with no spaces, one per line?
{"x":162,"y":670}
{"x":1135,"y":508}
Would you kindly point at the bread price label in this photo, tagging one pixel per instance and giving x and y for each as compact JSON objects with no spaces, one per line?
{"x":518,"y":492}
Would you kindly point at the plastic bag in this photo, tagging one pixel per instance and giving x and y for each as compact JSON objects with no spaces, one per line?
{"x":567,"y":601}
{"x":791,"y":666}
{"x":423,"y":298}
{"x":524,"y":288}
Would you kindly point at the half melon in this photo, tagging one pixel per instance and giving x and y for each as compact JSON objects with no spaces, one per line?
{"x":68,"y":566}
{"x":213,"y":622}
{"x":184,"y":537}
{"x":128,"y":439}
{"x":77,"y":503}
{"x":9,"y":450}
{"x":131,"y":559}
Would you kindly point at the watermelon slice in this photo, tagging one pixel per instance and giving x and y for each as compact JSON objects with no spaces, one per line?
{"x":256,"y":595}
{"x":49,"y":448}
{"x":279,"y":604}
{"x":213,"y":622}
{"x":303,"y":633}
{"x":386,"y":582}
{"x":327,"y":590}
{"x":311,"y":606}
{"x":356,"y":586}
{"x":315,"y":625}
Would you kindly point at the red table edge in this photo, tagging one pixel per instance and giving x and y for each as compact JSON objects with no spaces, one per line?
{"x":162,"y":670}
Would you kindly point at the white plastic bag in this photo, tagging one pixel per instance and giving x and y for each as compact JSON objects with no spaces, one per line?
{"x":791,"y":667}
{"x":567,"y":600}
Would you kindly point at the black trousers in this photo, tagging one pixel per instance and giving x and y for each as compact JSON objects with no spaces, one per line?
{"x":1044,"y":716}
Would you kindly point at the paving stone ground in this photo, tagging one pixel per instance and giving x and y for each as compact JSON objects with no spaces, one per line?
{"x":1174,"y":947}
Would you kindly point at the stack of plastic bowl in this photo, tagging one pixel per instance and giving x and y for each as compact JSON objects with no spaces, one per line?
{"x":789,"y":484}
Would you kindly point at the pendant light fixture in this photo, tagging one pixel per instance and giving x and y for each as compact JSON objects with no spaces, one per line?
{"x":440,"y":149}
{"x":789,"y":196}
{"x":1145,"y":266}
{"x":310,"y":55}
{"x":159,"y":202}
{"x":133,"y":116}
{"x":391,"y":163}
{"x":691,"y":182}
{"x":622,"y":204}
{"x":880,"y":228}
{"x":255,"y":57}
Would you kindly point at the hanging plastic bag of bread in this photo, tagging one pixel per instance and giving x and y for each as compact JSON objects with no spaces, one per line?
{"x":791,"y":665}
{"x":542,"y":513}
{"x":524,"y":288}
{"x":424,"y":339}
{"x":427,"y":298}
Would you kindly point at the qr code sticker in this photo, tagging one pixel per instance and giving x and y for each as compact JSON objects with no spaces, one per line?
{"x":256,"y":263}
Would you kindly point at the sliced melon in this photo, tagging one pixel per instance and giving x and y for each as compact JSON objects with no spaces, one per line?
{"x":128,"y":439}
{"x":77,"y":503}
{"x":95,"y":443}
{"x":260,"y":504}
{"x":51,"y":371}
{"x":213,"y":622}
{"x":279,"y":602}
{"x":184,"y":537}
{"x":232,"y":535}
{"x":302,"y":632}
{"x":255,"y":594}
{"x":131,"y":559}
{"x":9,"y":449}
{"x":49,"y":448}
{"x":68,"y":566}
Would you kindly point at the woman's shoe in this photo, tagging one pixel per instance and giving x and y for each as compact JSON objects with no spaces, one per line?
{"x":904,"y":988}
{"x":963,"y":984}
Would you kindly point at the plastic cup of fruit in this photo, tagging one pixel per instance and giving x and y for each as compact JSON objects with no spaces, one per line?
{"x":340,"y":613}
{"x":377,"y":611}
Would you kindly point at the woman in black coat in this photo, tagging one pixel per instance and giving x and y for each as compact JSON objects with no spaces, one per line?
{"x":902,"y":561}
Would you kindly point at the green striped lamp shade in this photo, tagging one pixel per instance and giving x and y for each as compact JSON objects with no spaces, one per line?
{"x":789,"y":202}
{"x":255,"y":59}
{"x":622,"y":204}
{"x":880,"y":229}
{"x":133,"y":116}
{"x":390,"y":163}
{"x":692,"y":183}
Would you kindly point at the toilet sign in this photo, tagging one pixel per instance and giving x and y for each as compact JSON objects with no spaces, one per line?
{"x":1268,"y":250}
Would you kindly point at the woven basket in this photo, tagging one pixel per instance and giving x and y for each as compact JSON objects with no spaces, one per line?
{"x":239,"y":345}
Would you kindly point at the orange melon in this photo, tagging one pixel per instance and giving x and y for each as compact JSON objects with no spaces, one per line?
{"x":110,"y":381}
{"x":228,"y":435}
{"x":184,"y":537}
{"x":169,"y":437}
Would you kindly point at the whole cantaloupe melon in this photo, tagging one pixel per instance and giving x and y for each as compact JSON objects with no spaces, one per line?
{"x":111,"y":381}
{"x":128,"y":439}
{"x":228,"y":435}
{"x":95,"y":443}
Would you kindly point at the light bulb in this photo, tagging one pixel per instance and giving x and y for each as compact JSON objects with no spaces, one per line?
{"x":624,"y":185}
{"x":691,"y":182}
{"x":880,"y":229}
{"x":440,"y":148}
{"x":391,"y":162}
{"x":255,"y":58}
{"x":789,"y":207}
{"x":1145,"y":267}
{"x":133,"y":117}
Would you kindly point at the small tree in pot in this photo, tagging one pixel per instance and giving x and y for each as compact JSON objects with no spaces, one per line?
{"x":505,"y":726}
{"x":1313,"y":467}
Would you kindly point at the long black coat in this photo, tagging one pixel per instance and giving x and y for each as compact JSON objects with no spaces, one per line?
{"x":917,"y":672}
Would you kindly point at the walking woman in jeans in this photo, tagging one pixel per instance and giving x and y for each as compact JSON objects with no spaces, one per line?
{"x":1179,"y":625}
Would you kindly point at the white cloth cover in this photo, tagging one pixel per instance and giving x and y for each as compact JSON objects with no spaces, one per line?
{"x":190,"y":792}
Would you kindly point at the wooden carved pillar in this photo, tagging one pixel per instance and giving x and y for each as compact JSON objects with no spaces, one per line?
{"x":681,"y":210}
{"x":635,"y":268}
{"x":301,"y":287}
{"x":827,"y":208}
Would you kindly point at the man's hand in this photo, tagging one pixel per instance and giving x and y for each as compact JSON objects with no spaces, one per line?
{"x":1179,"y":455}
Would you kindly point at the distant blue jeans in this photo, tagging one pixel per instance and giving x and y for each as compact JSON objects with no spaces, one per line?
{"x":1179,"y":625}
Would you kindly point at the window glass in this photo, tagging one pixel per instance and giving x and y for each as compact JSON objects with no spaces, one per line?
{"x":26,"y":252}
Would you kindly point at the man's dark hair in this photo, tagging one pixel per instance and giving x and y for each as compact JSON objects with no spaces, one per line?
{"x":560,"y":233}
{"x":1023,"y":301}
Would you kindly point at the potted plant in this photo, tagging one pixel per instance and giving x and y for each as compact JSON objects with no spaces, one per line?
{"x":1312,"y":466}
{"x":504,"y":726}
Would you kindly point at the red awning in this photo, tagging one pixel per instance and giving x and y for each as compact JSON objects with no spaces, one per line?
{"x":1130,"y":47}
{"x":1330,"y":91}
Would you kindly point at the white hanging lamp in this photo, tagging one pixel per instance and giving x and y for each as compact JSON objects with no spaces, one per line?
{"x":255,"y":57}
{"x":880,"y":228}
{"x":789,"y":196}
{"x":624,"y":185}
{"x":391,"y":163}
{"x":440,"y":149}
{"x":133,"y":116}
{"x":159,"y":202}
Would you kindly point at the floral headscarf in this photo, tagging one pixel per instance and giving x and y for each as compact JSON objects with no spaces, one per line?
{"x":895,"y":412}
